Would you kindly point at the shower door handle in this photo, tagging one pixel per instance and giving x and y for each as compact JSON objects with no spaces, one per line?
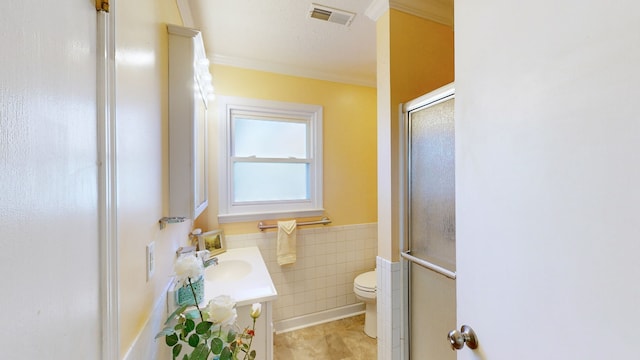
{"x":428,"y":265}
{"x":466,"y":335}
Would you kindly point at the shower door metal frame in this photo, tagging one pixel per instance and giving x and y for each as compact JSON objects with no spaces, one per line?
{"x":432,"y":98}
{"x":435,"y":97}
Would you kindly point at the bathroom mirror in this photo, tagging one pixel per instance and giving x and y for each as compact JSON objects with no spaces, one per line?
{"x":189,"y":90}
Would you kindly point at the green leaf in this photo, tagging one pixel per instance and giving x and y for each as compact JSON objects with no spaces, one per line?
{"x":171,"y":339}
{"x":174,"y":314}
{"x":200,"y":353}
{"x":231,"y":336}
{"x":189,"y":325}
{"x":203,"y":327}
{"x":252,"y":355}
{"x":216,"y":345}
{"x":226,"y":354}
{"x":194,"y":340}
{"x":176,"y":350}
{"x":206,"y":335}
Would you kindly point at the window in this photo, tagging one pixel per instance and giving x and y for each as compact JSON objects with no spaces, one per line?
{"x":270,"y":160}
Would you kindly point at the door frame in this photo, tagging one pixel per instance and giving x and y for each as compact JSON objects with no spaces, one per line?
{"x":107,"y":183}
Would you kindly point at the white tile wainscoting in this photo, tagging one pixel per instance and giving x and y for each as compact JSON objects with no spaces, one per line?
{"x":389,"y":309}
{"x":319,"y":286}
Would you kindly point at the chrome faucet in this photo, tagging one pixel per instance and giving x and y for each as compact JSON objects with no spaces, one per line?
{"x":207,"y":259}
{"x":210,"y":261}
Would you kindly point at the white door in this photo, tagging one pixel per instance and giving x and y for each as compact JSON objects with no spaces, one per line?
{"x":548,"y":178}
{"x":49,"y":181}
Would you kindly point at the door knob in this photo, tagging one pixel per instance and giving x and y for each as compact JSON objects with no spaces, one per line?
{"x":466,"y":335}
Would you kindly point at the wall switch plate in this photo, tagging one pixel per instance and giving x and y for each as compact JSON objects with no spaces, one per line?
{"x":151,"y":260}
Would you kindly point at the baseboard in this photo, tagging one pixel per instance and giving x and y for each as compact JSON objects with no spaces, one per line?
{"x":322,"y":317}
{"x":145,"y":345}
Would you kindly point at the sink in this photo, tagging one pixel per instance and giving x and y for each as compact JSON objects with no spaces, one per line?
{"x":242,"y":274}
{"x":228,"y":271}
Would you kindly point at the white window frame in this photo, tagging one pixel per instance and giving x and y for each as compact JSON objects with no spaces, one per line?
{"x":312,"y":115}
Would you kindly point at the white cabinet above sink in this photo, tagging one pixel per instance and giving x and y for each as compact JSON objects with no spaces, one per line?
{"x":189,"y":90}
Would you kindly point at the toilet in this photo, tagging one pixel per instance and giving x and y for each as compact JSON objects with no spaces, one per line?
{"x":364,"y":286}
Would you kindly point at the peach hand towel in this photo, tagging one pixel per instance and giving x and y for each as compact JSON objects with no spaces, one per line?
{"x":286,"y":242}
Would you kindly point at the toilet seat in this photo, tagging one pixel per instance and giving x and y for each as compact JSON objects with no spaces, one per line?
{"x":366,"y":282}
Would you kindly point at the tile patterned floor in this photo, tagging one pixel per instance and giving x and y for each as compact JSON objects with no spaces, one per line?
{"x":337,"y":340}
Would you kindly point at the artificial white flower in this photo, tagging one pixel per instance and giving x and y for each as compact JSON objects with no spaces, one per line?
{"x":222,"y":310}
{"x":188,"y":266}
{"x":256,"y":310}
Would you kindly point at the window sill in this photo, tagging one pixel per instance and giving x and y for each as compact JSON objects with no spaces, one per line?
{"x":231,"y":218}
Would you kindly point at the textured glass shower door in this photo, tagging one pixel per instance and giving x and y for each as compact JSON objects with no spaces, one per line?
{"x":430,"y":244}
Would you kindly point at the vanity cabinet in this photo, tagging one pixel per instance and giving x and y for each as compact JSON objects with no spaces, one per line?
{"x":263,"y":339}
{"x":189,"y":90}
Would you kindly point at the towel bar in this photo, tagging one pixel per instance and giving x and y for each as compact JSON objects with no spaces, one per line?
{"x":324,"y":221}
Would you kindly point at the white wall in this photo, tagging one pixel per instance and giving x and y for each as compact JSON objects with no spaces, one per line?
{"x":547,"y":177}
{"x":48,"y":181}
{"x":142,"y":167}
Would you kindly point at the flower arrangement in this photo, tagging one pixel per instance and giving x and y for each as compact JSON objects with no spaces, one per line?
{"x":210,"y":333}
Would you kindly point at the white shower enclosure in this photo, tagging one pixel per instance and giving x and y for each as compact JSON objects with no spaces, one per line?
{"x":428,"y":246}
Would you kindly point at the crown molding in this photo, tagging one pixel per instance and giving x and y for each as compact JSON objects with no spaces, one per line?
{"x":291,"y":70}
{"x":376,"y":9}
{"x":440,"y":11}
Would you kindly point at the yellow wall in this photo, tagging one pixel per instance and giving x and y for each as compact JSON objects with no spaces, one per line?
{"x":415,"y":56}
{"x":349,"y":131}
{"x":421,"y":56}
{"x":142,"y":150}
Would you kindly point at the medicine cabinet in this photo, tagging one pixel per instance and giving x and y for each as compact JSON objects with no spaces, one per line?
{"x":189,"y":90}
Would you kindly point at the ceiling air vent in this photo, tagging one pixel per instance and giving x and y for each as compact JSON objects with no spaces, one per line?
{"x":329,"y":14}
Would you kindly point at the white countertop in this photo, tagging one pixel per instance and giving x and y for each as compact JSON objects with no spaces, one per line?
{"x":255,"y":286}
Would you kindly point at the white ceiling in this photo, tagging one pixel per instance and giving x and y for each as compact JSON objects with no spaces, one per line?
{"x":279,"y":36}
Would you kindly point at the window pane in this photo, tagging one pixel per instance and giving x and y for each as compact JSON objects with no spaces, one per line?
{"x":270,"y":181}
{"x":269,"y":139}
